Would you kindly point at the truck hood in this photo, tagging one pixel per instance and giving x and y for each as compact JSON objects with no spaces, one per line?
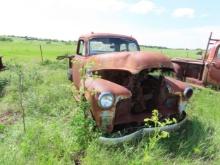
{"x":133,"y":62}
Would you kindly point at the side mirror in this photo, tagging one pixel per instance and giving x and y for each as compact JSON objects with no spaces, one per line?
{"x":65,"y":56}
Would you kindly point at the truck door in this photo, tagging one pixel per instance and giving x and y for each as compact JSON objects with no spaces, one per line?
{"x":78,"y":62}
{"x":214,"y":69}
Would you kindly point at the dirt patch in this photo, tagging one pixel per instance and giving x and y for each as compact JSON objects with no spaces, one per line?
{"x":77,"y":157}
{"x":9,"y":117}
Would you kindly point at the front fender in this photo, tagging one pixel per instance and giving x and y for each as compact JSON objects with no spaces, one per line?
{"x":182,"y":89}
{"x":104,"y":118}
{"x":176,"y":85}
{"x":101,"y":85}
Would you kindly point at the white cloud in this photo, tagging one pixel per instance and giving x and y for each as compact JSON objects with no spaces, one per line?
{"x":67,"y":19}
{"x":145,"y":7}
{"x":192,"y":37}
{"x":139,"y":7}
{"x":184,"y":12}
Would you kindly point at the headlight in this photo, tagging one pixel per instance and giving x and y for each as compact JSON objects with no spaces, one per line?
{"x":106,"y":100}
{"x":188,"y":92}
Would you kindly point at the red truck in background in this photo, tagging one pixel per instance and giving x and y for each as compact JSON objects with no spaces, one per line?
{"x":201,"y":72}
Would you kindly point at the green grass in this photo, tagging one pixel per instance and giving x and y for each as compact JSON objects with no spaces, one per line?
{"x":174,"y":52}
{"x":54,"y":124}
{"x":27,"y":50}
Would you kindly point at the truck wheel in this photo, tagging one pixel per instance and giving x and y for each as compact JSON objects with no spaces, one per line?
{"x":70,"y":74}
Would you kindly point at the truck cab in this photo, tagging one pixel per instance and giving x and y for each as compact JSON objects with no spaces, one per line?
{"x":99,"y":43}
{"x":125,"y":85}
{"x":201,"y":72}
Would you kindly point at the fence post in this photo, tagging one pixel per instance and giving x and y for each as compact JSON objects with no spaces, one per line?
{"x":41,"y":53}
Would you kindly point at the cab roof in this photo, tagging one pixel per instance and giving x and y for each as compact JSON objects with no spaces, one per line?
{"x":94,"y":35}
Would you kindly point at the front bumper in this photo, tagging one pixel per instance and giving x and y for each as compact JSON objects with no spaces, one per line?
{"x":141,"y":133}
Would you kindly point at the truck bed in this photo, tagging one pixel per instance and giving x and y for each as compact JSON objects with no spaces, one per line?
{"x":189,"y":68}
{"x":187,"y":60}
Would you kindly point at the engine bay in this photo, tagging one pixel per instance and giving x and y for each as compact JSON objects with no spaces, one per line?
{"x":147,"y":87}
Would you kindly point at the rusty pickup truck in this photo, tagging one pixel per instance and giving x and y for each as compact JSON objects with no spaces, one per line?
{"x":201,"y":72}
{"x":131,"y":84}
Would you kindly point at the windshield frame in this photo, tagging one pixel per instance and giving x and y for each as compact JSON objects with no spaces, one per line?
{"x":112,"y":37}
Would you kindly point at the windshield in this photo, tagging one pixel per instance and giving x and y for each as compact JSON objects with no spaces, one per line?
{"x":108,"y":45}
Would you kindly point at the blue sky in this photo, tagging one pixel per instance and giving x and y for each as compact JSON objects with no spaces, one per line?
{"x":171,"y":23}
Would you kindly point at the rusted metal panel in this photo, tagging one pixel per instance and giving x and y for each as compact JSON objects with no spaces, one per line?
{"x":188,"y":60}
{"x":104,"y":118}
{"x":194,"y":82}
{"x":95,"y":35}
{"x":214,"y":73}
{"x":135,"y":102}
{"x":101,"y":85}
{"x":213,"y":52}
{"x":133,"y":62}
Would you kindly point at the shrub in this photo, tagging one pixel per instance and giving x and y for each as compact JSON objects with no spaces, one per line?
{"x":6,"y":39}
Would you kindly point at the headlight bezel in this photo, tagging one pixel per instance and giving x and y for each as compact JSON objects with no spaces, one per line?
{"x":188,"y":92}
{"x":105,"y":94}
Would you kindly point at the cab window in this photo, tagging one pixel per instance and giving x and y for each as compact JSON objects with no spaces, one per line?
{"x":218,"y":53}
{"x":123,"y":47}
{"x":132,"y":46}
{"x":111,"y":44}
{"x":81,"y":48}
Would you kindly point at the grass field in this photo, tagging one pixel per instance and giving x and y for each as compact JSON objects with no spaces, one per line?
{"x":175,"y":52}
{"x":24,"y":49}
{"x":30,"y":49}
{"x":54,"y":124}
